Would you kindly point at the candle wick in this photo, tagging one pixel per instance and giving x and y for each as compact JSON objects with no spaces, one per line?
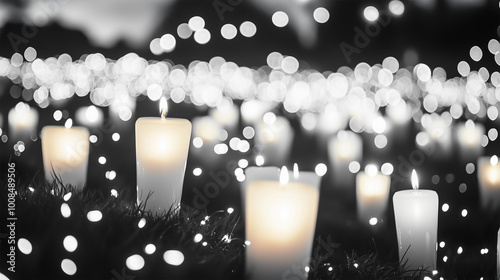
{"x":163,"y":113}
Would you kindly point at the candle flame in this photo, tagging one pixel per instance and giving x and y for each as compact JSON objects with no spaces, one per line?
{"x":163,"y":107}
{"x":414,"y":180}
{"x":68,"y":123}
{"x":284,"y":176}
{"x":494,"y":160}
{"x":295,"y":171}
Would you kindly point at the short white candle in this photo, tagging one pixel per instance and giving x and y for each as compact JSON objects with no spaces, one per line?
{"x":23,"y":121}
{"x":274,"y":138}
{"x":469,"y":140}
{"x":416,"y":214}
{"x":65,"y":152}
{"x":372,"y":193}
{"x":90,"y":116}
{"x":280,"y":223}
{"x":488,"y":176}
{"x":344,"y":148}
{"x":162,"y":146}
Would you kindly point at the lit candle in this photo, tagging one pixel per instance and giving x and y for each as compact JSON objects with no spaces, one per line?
{"x":90,"y":116}
{"x":162,"y":146}
{"x":469,"y":140}
{"x":280,"y":222}
{"x":23,"y":121}
{"x":65,"y":153}
{"x":274,"y":137}
{"x":344,"y":148}
{"x":372,"y":193}
{"x":416,"y":214}
{"x":488,"y":176}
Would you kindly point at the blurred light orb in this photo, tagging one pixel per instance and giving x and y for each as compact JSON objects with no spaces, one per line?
{"x":354,"y":167}
{"x":248,"y":29}
{"x":168,"y":42}
{"x":290,"y":65}
{"x":387,"y":168}
{"x":150,"y":249}
{"x":30,"y":54}
{"x":321,"y":15}
{"x":445,"y":208}
{"x":154,"y":92}
{"x":197,"y":171}
{"x":70,"y":243}
{"x":135,"y":262}
{"x":463,"y":68}
{"x":274,"y":60}
{"x":371,"y":13}
{"x":24,"y":246}
{"x":228,"y":31}
{"x":280,"y":19}
{"x":470,"y":167}
{"x":196,"y":23}
{"x":68,"y":267}
{"x":202,"y":36}
{"x":493,"y":134}
{"x":94,"y":216}
{"x":321,"y":169}
{"x":248,"y":132}
{"x":476,"y":53}
{"x":396,"y":7}
{"x":115,"y":136}
{"x":391,"y":63}
{"x":184,"y":31}
{"x":173,"y":257}
{"x":58,"y":115}
{"x":494,"y":46}
{"x":380,"y":141}
{"x":65,"y":210}
{"x":373,"y":221}
{"x":259,"y":160}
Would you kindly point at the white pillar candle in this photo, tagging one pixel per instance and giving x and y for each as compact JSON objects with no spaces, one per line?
{"x":344,"y":148}
{"x":416,"y":214}
{"x":90,"y":116}
{"x":206,"y":131}
{"x":65,"y":152}
{"x":162,"y":146}
{"x":469,"y":140}
{"x":372,"y":193}
{"x":280,"y":223}
{"x":23,"y":121}
{"x":274,"y":138}
{"x":488,"y":176}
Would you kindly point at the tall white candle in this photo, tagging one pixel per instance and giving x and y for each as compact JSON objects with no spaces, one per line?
{"x":65,"y":153}
{"x":372,"y":193}
{"x":488,"y":176}
{"x":280,"y":222}
{"x":344,"y":148}
{"x":23,"y":121}
{"x":469,"y":140}
{"x":274,"y":138}
{"x":416,"y":214}
{"x":162,"y":146}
